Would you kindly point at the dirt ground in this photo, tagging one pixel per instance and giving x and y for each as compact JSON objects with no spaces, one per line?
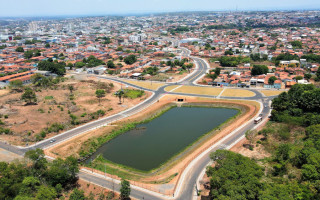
{"x":7,"y":156}
{"x":54,"y":106}
{"x":176,"y":166}
{"x":92,"y":190}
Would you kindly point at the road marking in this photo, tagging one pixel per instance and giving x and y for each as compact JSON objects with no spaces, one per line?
{"x":221,"y":93}
{"x":176,"y":88}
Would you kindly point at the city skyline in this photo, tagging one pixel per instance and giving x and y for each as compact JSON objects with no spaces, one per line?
{"x":20,"y":8}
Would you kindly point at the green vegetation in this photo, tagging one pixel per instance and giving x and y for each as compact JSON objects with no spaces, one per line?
{"x":311,"y":58}
{"x":32,"y":53}
{"x":100,"y":93}
{"x":91,"y":61}
{"x":29,"y":96}
{"x":234,"y":176}
{"x":125,"y":189}
{"x":53,"y":67}
{"x":292,"y":171}
{"x":133,"y":94}
{"x":129,"y":60}
{"x":19,"y":49}
{"x":299,"y":106}
{"x":151,"y":70}
{"x":296,"y":44}
{"x":271,"y":80}
{"x":227,"y":61}
{"x":16,"y":85}
{"x":258,"y":58}
{"x":285,"y":56}
{"x":48,"y":97}
{"x":216,"y":73}
{"x":38,"y":179}
{"x":259,"y":69}
{"x":41,"y":81}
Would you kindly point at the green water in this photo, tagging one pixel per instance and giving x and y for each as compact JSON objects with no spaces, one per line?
{"x":155,"y":142}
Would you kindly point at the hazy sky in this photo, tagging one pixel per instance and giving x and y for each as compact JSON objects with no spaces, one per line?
{"x":105,"y":7}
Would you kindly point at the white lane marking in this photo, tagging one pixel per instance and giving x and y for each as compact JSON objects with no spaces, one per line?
{"x":176,"y":88}
{"x":221,"y":93}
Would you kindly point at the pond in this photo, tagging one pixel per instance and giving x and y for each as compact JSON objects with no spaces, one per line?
{"x":153,"y":143}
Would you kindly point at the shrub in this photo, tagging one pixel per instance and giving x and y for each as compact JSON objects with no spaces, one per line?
{"x":55,"y":127}
{"x":41,"y":110}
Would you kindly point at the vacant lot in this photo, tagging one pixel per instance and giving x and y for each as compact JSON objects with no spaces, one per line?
{"x":58,"y":109}
{"x":237,"y":93}
{"x":199,"y":90}
{"x":271,"y":92}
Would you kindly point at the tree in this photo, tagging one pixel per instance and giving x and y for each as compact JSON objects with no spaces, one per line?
{"x":46,"y":193}
{"x":71,"y":88}
{"x":39,"y":163}
{"x":189,"y":66}
{"x":318,"y":75}
{"x":307,"y":76}
{"x":29,"y":96}
{"x":28,"y":54}
{"x":16,"y":85}
{"x":129,"y":60}
{"x":63,"y":172}
{"x":70,"y":65}
{"x":228,"y":52}
{"x":100,"y":93}
{"x":271,"y":80}
{"x":58,"y":68}
{"x":19,"y":49}
{"x":79,"y":64}
{"x":125,"y":189}
{"x":77,"y":195}
{"x":298,"y":78}
{"x":234,"y":176}
{"x":47,"y":45}
{"x":110,"y":64}
{"x":259,"y":69}
{"x":119,"y":94}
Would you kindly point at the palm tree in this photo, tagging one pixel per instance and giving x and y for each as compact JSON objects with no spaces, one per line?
{"x":120,"y":94}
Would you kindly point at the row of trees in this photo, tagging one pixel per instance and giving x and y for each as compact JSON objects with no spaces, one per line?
{"x":300,"y":106}
{"x":227,"y":61}
{"x":56,"y":67}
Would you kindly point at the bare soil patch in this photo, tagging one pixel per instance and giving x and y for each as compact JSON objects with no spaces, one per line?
{"x":55,"y":106}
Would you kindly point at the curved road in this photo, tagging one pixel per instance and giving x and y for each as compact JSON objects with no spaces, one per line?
{"x":187,"y":182}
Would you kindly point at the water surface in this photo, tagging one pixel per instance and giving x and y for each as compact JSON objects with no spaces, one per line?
{"x":155,"y":142}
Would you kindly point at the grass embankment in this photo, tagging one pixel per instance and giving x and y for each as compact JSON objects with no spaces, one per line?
{"x":146,"y":84}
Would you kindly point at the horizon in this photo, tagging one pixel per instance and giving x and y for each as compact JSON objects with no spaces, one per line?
{"x":94,"y":8}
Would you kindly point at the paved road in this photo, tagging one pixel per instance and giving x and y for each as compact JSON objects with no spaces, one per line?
{"x":189,"y":184}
